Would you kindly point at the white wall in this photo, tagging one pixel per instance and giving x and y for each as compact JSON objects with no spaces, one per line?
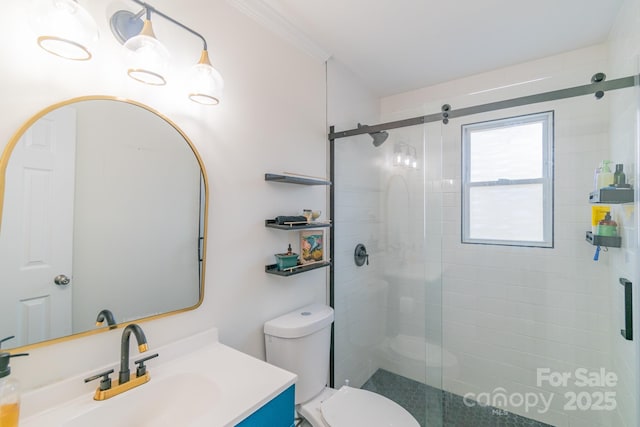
{"x":272,"y":119}
{"x":508,"y":310}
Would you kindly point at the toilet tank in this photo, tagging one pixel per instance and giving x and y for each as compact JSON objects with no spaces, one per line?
{"x":299,"y":342}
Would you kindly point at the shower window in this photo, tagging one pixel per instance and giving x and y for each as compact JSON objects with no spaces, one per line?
{"x":507,"y":181}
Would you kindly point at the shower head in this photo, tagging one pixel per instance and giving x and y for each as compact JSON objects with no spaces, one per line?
{"x":378,"y":137}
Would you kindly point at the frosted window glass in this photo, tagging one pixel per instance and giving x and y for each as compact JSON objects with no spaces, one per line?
{"x":507,"y":181}
{"x":507,"y":212}
{"x":513,"y":152}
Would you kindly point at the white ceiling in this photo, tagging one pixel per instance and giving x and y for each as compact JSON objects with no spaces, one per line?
{"x":399,"y":45}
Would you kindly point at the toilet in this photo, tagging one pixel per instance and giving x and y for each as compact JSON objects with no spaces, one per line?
{"x":299,"y":342}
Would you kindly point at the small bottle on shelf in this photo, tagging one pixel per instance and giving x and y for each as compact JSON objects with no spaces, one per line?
{"x":605,"y":176}
{"x":607,"y":226}
{"x":619,"y":178}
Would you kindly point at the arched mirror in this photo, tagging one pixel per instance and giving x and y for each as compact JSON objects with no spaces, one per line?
{"x":102,"y":207}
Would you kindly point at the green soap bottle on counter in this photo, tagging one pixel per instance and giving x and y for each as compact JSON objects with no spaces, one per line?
{"x":607,"y":226}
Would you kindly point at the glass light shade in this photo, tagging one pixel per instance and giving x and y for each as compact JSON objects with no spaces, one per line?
{"x":147,"y":58}
{"x":398,"y":155}
{"x":414,"y":157}
{"x":405,"y":155}
{"x":64,"y":28}
{"x":205,"y":82}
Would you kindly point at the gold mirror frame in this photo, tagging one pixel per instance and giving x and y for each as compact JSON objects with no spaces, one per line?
{"x":4,"y":161}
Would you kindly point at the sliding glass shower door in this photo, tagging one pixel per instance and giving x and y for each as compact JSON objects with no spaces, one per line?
{"x":387,"y":336}
{"x":535,"y":324}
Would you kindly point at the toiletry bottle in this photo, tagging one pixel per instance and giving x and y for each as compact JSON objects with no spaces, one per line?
{"x":289,"y":250}
{"x":598,"y":213}
{"x":619,"y":178}
{"x":9,"y":392}
{"x":607,"y":226}
{"x":605,"y":177}
{"x":596,"y":177}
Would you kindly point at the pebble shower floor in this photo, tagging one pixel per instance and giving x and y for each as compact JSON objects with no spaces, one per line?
{"x":433,"y":407}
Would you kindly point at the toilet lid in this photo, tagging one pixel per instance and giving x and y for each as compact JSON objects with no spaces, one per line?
{"x":350,"y":407}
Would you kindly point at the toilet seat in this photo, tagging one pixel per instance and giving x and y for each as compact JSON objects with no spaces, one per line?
{"x":350,"y":407}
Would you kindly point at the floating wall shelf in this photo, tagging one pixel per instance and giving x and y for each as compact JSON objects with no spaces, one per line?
{"x":295,"y":179}
{"x":271,"y":223}
{"x":289,"y":178}
{"x":273,"y":268}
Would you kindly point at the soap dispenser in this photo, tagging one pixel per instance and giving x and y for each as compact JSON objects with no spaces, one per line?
{"x":9,"y":391}
{"x":604,"y":177}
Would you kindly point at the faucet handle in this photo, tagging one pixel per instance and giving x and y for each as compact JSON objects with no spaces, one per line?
{"x":142,"y":368}
{"x":105,"y":382}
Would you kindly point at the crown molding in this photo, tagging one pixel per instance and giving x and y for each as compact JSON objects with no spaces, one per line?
{"x":275,"y":22}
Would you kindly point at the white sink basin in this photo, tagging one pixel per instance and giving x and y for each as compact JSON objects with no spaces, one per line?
{"x":173,"y":401}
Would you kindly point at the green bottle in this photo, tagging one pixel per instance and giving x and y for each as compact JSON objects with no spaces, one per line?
{"x":619,"y":178}
{"x":607,"y":226}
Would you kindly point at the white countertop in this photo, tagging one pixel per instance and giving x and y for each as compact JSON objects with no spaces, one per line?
{"x":242,"y":385}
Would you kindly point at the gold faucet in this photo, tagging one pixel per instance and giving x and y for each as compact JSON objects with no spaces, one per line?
{"x":106,"y":389}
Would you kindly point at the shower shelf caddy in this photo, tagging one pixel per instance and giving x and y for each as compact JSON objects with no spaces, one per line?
{"x":609,"y":195}
{"x":612,"y":196}
{"x":608,"y":241}
{"x":270,"y":223}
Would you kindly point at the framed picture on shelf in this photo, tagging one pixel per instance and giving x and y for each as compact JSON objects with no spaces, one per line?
{"x":311,"y":246}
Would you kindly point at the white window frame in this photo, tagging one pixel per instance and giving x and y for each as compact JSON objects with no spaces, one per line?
{"x":546,"y":118}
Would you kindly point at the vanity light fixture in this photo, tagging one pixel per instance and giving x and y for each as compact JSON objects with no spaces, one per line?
{"x":205,"y":82}
{"x":64,"y":28}
{"x":147,"y":57}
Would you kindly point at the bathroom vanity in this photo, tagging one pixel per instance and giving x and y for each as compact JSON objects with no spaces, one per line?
{"x":196,"y":381}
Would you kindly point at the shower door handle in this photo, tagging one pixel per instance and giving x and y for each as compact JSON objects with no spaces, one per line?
{"x":627,"y":332}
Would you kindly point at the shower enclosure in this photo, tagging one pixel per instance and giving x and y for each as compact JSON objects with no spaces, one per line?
{"x":486,"y":334}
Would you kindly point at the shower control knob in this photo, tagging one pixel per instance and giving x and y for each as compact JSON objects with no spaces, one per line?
{"x":61,"y":280}
{"x":360,"y":255}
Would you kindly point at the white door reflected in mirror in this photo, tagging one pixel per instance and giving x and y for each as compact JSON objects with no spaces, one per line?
{"x":37,"y":230}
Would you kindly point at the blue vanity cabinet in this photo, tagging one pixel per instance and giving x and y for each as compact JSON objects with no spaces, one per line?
{"x":278,"y":412}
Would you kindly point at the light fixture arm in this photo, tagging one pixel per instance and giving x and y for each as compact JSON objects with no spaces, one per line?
{"x":139,"y":14}
{"x":150,"y":9}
